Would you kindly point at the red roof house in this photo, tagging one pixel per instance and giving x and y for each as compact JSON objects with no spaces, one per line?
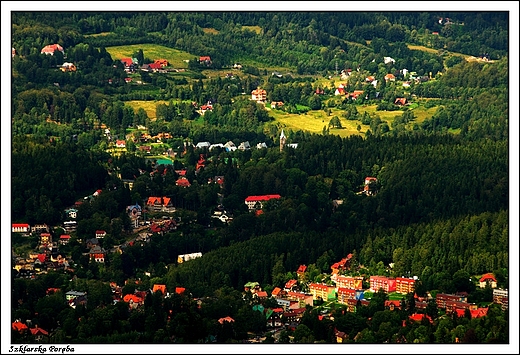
{"x":183,"y":181}
{"x":251,"y":201}
{"x":51,"y":49}
{"x":226,"y":319}
{"x":19,"y":326}
{"x":488,"y":278}
{"x":290,"y":284}
{"x":159,"y":287}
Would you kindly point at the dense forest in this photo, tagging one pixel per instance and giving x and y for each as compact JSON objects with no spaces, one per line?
{"x":441,"y":211}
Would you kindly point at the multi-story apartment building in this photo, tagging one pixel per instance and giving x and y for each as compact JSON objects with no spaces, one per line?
{"x":501,"y":297}
{"x":322,"y":291}
{"x":404,"y":285}
{"x":354,"y":282}
{"x":378,"y":282}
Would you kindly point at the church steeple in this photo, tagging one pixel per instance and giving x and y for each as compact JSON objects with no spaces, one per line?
{"x":283,"y":138}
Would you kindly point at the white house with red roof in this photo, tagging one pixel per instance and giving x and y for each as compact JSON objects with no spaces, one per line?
{"x":252,"y":201}
{"x":488,"y":279}
{"x":259,"y":95}
{"x":20,"y":228}
{"x":64,"y":239}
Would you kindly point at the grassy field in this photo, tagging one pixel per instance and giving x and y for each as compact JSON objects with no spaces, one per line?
{"x":175,"y":57}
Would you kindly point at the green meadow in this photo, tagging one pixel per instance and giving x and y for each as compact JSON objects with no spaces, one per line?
{"x":176,"y":58}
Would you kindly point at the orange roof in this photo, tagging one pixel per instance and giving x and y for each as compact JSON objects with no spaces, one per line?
{"x":488,"y":276}
{"x":182,"y":181}
{"x":258,"y":92}
{"x":276,"y":291}
{"x":158,"y":287}
{"x":226,"y":319}
{"x":39,"y":331}
{"x":261,"y":294}
{"x":302,"y":268}
{"x":51,"y":48}
{"x":419,"y":317}
{"x":132,"y":298}
{"x":19,"y":326}
{"x":290,"y":283}
{"x":179,"y":290}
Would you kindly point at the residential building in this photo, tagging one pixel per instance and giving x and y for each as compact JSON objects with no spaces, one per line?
{"x":64,"y":239}
{"x":259,"y":95}
{"x":51,"y":49}
{"x":401,"y":101}
{"x":205,"y":60}
{"x":291,"y":285}
{"x":322,"y":291}
{"x":21,"y":228}
{"x":159,"y":287}
{"x":45,"y":238}
{"x":73,"y":294}
{"x":488,"y":279}
{"x":183,"y":182}
{"x":101,"y":234}
{"x":244,"y":146}
{"x":451,"y":302}
{"x":301,"y":298}
{"x":500,"y":296}
{"x":65,"y":67}
{"x":97,"y":254}
{"x":254,"y":202}
{"x":350,"y":282}
{"x":390,"y":77}
{"x":159,"y":203}
{"x":404,"y":285}
{"x":378,"y":282}
{"x":345,"y":294}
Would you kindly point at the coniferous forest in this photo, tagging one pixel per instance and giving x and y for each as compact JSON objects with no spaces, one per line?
{"x":416,"y":101}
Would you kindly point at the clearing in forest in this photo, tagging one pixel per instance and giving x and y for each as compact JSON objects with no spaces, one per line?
{"x":176,"y":58}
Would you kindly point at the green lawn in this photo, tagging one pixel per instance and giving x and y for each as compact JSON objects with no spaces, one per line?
{"x":174,"y":56}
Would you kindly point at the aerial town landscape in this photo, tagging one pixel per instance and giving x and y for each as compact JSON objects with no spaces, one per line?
{"x":210,"y":178}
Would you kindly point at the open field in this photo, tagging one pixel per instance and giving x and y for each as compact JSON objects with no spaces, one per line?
{"x":256,"y":29}
{"x":148,"y":106}
{"x":210,"y":30}
{"x":175,"y":57}
{"x":314,"y":121}
{"x":98,"y":34}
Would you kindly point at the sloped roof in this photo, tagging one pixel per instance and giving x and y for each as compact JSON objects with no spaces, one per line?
{"x":39,"y":331}
{"x":226,"y":319}
{"x":19,"y":326}
{"x":290,"y":283}
{"x":159,"y":287}
{"x":133,"y":298}
{"x":488,"y":276}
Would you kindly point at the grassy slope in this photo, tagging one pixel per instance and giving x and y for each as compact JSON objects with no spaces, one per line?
{"x":153,"y":51}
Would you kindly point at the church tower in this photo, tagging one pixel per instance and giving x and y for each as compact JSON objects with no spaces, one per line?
{"x":283,"y":138}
